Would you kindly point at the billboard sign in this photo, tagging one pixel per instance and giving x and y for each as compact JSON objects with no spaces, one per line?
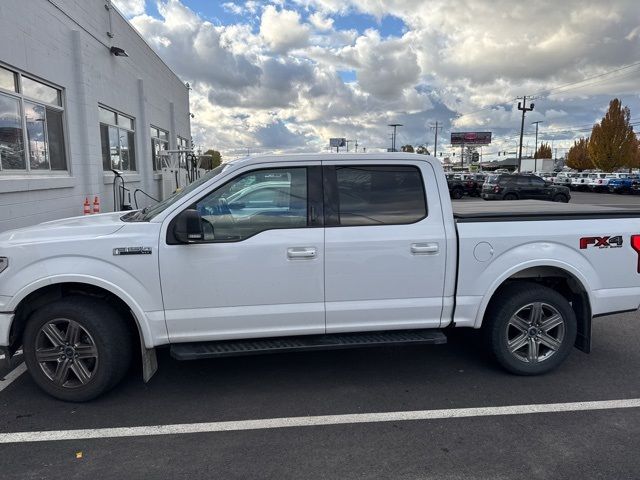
{"x":337,"y":142}
{"x":470,"y":138}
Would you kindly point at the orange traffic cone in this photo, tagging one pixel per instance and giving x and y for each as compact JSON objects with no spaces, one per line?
{"x":87,"y":207}
{"x":96,"y":205}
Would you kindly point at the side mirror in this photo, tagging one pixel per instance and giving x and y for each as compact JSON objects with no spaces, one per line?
{"x":188,"y":227}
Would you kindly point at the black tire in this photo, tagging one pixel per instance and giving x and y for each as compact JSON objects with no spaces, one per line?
{"x":457,"y":193}
{"x":510,"y":196}
{"x":103,"y":327}
{"x":560,"y":197}
{"x":513,"y":299}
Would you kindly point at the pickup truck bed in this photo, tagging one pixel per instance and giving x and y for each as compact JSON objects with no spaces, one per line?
{"x":525,"y":210}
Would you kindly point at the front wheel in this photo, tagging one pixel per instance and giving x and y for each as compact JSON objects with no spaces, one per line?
{"x":530,"y":329}
{"x":561,"y":197}
{"x":457,"y":193}
{"x":76,"y":348}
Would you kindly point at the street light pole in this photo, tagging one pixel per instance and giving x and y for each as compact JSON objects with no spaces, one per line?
{"x":435,"y":145}
{"x":535,"y":154}
{"x":522,"y":106}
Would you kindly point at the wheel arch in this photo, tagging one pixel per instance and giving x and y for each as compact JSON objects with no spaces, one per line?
{"x":561,"y":277}
{"x":42,"y":292}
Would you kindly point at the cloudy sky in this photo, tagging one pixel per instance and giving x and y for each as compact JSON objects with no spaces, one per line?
{"x":286,"y":75}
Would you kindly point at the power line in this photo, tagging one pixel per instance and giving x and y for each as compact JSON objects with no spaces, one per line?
{"x":549,"y":91}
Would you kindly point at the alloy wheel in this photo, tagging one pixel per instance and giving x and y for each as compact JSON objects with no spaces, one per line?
{"x":66,"y":353}
{"x":535,"y":332}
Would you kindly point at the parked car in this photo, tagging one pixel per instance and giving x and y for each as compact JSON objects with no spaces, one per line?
{"x":624,"y":184}
{"x":601,"y":182}
{"x":473,"y":183}
{"x":362,"y":250}
{"x":579,"y":181}
{"x":596,"y":182}
{"x":563,"y":179}
{"x":455,"y":185}
{"x":522,"y":187}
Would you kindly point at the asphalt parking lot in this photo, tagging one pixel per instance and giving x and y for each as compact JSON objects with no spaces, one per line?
{"x":380,"y":385}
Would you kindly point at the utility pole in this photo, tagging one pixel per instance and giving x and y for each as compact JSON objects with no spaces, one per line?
{"x":348,"y":142}
{"x":522,"y":106}
{"x":435,"y":145}
{"x":393,"y":137}
{"x":535,"y":154}
{"x":356,"y":145}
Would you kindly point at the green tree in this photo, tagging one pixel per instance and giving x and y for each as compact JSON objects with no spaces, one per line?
{"x":423,"y":150}
{"x":578,"y":156}
{"x":407,"y":148}
{"x":544,"y":151}
{"x":612,"y":142}
{"x":212,"y":159}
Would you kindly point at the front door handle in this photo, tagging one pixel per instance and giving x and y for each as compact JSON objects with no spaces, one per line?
{"x":424,"y":248}
{"x":302,"y":253}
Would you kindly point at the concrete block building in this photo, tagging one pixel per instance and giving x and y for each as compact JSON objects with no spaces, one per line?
{"x":80,"y":93}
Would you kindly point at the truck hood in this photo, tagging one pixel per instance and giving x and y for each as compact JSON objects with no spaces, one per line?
{"x":89,"y":226}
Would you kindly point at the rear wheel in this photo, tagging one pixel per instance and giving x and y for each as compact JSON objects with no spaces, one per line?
{"x":510,"y":196}
{"x":560,"y":197}
{"x":530,"y":329}
{"x":76,"y":348}
{"x":457,"y":193}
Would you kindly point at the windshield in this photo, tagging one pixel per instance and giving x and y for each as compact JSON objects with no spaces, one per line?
{"x":154,"y":210}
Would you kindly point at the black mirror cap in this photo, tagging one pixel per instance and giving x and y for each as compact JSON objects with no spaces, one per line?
{"x":187,"y":227}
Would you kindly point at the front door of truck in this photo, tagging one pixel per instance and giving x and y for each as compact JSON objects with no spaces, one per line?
{"x":258,"y":272}
{"x":385,"y":246}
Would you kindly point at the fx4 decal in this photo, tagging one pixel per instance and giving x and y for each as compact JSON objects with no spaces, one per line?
{"x":601,"y":242}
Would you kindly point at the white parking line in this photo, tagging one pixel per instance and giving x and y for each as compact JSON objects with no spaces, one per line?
{"x":10,"y":377}
{"x":323,"y":420}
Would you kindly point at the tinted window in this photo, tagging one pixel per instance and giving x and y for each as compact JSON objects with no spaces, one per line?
{"x":384,"y":195}
{"x":492,"y":179}
{"x":523,"y":181}
{"x":254,"y":202}
{"x":537,"y":182}
{"x":507,"y":180}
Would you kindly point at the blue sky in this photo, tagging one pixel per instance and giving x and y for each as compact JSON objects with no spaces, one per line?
{"x":215,"y":12}
{"x":289,"y":74}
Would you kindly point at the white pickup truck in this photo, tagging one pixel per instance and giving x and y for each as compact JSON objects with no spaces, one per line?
{"x":287,"y":253}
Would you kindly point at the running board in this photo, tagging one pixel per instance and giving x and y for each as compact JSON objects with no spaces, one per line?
{"x":233,"y":348}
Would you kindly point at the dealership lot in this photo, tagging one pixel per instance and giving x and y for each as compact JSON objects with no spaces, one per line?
{"x":582,"y":442}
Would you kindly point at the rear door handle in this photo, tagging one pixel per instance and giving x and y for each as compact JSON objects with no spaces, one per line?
{"x":301,"y":253}
{"x":424,"y":248}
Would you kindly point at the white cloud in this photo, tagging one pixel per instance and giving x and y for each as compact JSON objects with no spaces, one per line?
{"x":278,"y":88}
{"x":130,"y":8}
{"x":321,"y":22}
{"x":282,"y":29}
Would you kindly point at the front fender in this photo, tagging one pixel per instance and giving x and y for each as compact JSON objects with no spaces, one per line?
{"x":140,"y":292}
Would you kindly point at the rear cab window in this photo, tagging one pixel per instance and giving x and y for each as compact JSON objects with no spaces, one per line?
{"x":377,"y":195}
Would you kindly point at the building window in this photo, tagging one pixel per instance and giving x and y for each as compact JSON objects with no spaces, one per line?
{"x":31,"y":125}
{"x":183,"y":146}
{"x":159,"y":141}
{"x":117,"y":138}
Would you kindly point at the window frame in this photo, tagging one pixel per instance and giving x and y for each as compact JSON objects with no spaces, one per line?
{"x":332,"y":197}
{"x":315,"y":214}
{"x":119,"y":127}
{"x":160,"y":140}
{"x":18,"y":94}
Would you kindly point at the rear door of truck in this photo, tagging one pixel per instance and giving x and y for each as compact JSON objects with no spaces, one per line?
{"x":385,"y":245}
